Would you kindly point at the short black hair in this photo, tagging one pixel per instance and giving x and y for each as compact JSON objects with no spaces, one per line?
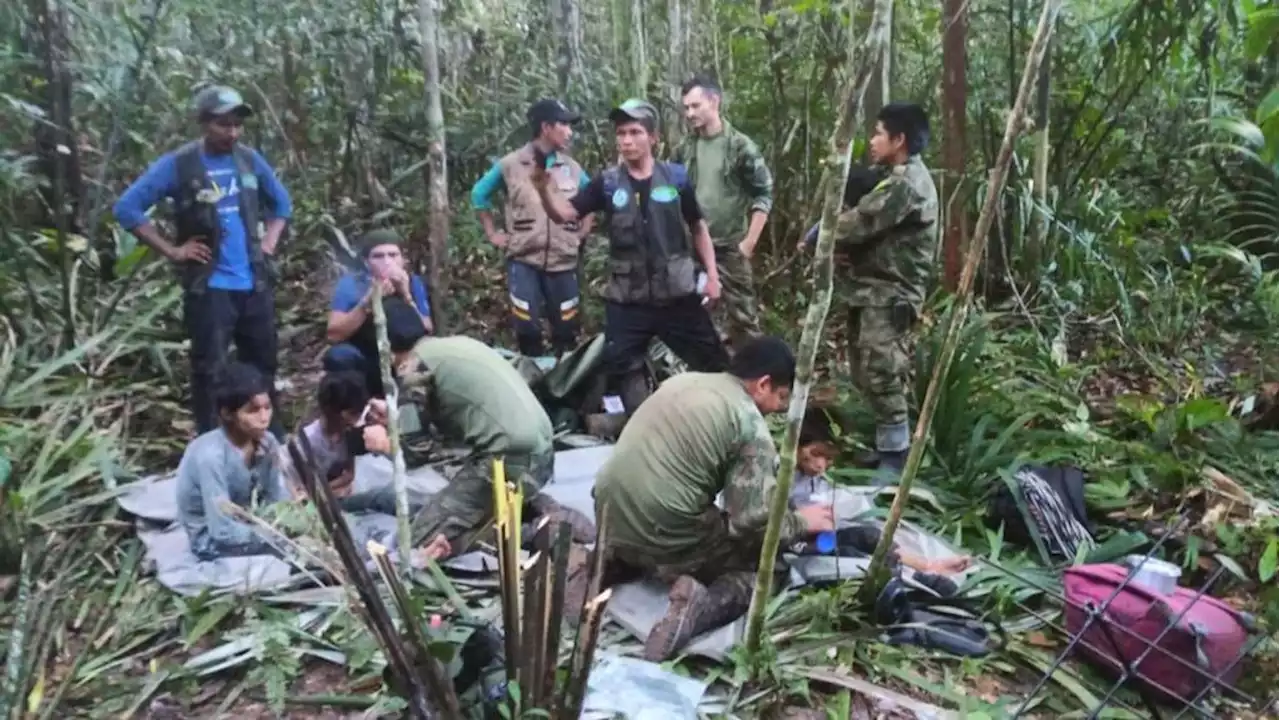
{"x":765,"y":356}
{"x":240,"y":383}
{"x":342,"y":391}
{"x":704,"y":81}
{"x":404,"y":325}
{"x":908,"y":120}
{"x":816,"y":428}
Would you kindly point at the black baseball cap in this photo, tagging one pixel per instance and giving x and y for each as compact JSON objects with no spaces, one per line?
{"x":218,"y":100}
{"x":551,"y":110}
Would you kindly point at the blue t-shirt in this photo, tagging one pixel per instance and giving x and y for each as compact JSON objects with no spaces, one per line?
{"x":233,"y":271}
{"x":351,"y":288}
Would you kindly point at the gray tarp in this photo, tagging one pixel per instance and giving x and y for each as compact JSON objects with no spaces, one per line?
{"x":635,"y":606}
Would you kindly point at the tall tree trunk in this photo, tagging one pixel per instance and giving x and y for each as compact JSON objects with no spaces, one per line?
{"x":59,"y":149}
{"x":955,"y":91}
{"x":567,"y":18}
{"x":819,"y":305}
{"x":437,"y":169}
{"x":675,"y":71}
{"x":639,"y":63}
{"x":878,"y":572}
{"x":879,"y":90}
{"x":1040,"y":165}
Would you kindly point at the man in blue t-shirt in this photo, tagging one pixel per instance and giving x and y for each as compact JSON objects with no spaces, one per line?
{"x":351,"y":330}
{"x":230,"y":212}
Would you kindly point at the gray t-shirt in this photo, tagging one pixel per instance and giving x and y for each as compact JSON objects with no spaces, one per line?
{"x":804,"y":487}
{"x":213,"y":473}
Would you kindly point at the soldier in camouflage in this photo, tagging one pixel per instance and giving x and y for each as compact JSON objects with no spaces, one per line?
{"x":735,"y":189}
{"x":699,"y":435}
{"x":471,"y":396}
{"x":888,"y":241}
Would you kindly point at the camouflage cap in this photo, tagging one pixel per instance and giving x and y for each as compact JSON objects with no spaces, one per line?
{"x":635,"y":109}
{"x":218,"y":100}
{"x":381,"y":236}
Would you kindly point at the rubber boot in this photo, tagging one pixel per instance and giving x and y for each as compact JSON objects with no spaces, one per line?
{"x":694,"y":609}
{"x":892,"y":442}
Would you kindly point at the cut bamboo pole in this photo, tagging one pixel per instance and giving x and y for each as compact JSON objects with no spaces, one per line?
{"x":575,"y":689}
{"x":877,"y":573}
{"x":819,"y":305}
{"x":399,"y":475}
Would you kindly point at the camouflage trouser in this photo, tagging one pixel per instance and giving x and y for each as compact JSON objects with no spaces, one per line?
{"x":462,"y":508}
{"x":880,"y":340}
{"x":735,"y":316}
{"x":725,"y":564}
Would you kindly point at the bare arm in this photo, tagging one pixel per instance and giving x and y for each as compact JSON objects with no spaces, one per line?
{"x":758,"y":219}
{"x":149,"y":234}
{"x":342,"y":325}
{"x":558,"y":208}
{"x":271,"y":238}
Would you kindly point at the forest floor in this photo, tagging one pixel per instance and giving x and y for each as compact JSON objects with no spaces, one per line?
{"x":1155,"y":452}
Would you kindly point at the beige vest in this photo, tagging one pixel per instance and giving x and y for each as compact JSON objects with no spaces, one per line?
{"x":533,"y":238}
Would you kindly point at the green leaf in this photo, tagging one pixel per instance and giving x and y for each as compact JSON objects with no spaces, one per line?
{"x":1270,"y":557}
{"x":1262,"y":32}
{"x":1268,"y":108}
{"x":208,"y":621}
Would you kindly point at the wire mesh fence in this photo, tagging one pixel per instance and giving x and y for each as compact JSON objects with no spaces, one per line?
{"x":1161,"y":652}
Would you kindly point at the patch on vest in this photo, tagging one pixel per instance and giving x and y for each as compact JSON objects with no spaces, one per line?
{"x":664,"y":194}
{"x":619,"y":198}
{"x":249,"y":181}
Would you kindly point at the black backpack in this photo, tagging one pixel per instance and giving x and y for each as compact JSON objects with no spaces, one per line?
{"x":1044,"y":507}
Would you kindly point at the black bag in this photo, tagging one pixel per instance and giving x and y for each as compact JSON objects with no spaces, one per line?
{"x":1044,"y":507}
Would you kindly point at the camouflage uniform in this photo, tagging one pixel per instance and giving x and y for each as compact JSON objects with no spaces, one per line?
{"x":732,"y":182}
{"x":698,"y":436}
{"x":888,"y":243}
{"x":474,"y":397}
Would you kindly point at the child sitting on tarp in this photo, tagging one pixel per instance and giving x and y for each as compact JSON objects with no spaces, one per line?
{"x":233,"y":464}
{"x":344,"y":408}
{"x":814,"y":454}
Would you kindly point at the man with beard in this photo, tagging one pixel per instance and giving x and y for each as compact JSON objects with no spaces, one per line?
{"x":735,"y":191}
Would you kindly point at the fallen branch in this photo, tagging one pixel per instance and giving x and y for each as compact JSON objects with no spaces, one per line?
{"x":877,"y":572}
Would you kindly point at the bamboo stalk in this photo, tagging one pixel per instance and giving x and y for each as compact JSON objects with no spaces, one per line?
{"x":379,"y":620}
{"x":819,"y":305}
{"x":575,"y":690}
{"x":506,"y":505}
{"x":390,"y":390}
{"x":877,"y":572}
{"x":554,"y":586}
{"x":533,"y":621}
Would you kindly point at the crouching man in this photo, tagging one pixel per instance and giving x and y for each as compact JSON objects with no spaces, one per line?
{"x":699,"y":435}
{"x":474,"y":397}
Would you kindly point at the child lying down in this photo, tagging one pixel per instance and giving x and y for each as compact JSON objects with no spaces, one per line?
{"x":813,"y":457}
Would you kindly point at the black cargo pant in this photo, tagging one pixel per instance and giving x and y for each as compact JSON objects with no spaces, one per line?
{"x":215,"y":319}
{"x":683,"y":324}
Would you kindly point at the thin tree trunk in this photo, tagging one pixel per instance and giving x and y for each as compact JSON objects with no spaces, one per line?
{"x":639,"y":63}
{"x":399,"y":474}
{"x":437,"y":168}
{"x":955,"y":91}
{"x":675,"y":71}
{"x":877,"y":573}
{"x":819,"y":305}
{"x":1040,"y":165}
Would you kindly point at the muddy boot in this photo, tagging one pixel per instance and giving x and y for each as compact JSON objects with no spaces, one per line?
{"x":581,"y":527}
{"x":694,"y":609}
{"x":605,"y":426}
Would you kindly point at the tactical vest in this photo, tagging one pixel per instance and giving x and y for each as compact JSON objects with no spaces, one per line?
{"x":649,"y":253}
{"x":196,"y":218}
{"x":534,"y":238}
